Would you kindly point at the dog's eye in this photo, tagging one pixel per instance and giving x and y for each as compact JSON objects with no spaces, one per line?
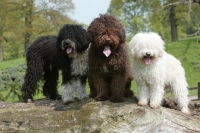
{"x":103,"y":33}
{"x":113,"y":32}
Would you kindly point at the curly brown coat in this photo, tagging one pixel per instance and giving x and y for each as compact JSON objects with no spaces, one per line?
{"x":109,"y":77}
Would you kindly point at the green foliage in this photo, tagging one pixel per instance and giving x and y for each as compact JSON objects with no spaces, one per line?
{"x":11,"y":63}
{"x":44,"y":18}
{"x":11,"y":80}
{"x":153,"y":15}
{"x":187,"y":51}
{"x":130,"y":13}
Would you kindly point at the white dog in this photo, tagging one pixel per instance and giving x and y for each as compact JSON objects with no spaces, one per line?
{"x":154,"y":70}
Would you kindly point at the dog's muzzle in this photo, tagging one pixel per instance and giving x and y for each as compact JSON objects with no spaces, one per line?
{"x":147,"y":58}
{"x":68,"y":46}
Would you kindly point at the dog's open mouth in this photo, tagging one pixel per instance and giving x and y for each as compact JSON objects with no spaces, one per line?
{"x":147,"y":59}
{"x":69,"y":50}
{"x":107,"y":51}
{"x":68,"y":46}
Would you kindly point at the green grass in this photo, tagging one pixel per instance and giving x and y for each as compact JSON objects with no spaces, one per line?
{"x":186,"y":50}
{"x":11,"y":63}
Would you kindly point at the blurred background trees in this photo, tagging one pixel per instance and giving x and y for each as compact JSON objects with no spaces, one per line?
{"x":22,"y":21}
{"x":172,"y":19}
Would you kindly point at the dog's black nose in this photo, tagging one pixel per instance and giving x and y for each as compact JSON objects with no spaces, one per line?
{"x":67,"y":41}
{"x":148,"y":53}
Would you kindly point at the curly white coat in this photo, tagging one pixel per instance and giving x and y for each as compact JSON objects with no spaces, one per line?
{"x":161,"y":70}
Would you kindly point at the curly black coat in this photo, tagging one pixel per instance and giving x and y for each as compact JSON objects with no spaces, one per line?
{"x":48,"y":54}
{"x":109,"y":77}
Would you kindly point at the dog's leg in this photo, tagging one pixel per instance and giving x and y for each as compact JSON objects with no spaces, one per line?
{"x":117,"y":88}
{"x":80,"y":88}
{"x":128,"y":91}
{"x":68,"y":84}
{"x":34,"y":73}
{"x":157,"y":92}
{"x":67,"y":91}
{"x":143,"y":94}
{"x":102,"y":87}
{"x":181,"y":94}
{"x":50,"y":85}
{"x":93,"y":92}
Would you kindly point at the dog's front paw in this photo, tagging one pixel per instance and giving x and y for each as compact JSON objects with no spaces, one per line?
{"x":68,"y":102}
{"x":116,"y":100}
{"x":128,"y":93}
{"x":185,"y":110}
{"x":154,"y":105}
{"x":83,"y":96}
{"x":142,"y":103}
{"x":92,"y":95}
{"x":59,"y":97}
{"x":29,"y":100}
{"x":102,"y":98}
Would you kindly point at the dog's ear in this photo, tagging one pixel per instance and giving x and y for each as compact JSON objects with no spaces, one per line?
{"x":132,"y":49}
{"x":161,"y":48}
{"x":59,"y":43}
{"x":123,"y":35}
{"x":90,"y":35}
{"x":160,"y":52}
{"x":132,"y":52}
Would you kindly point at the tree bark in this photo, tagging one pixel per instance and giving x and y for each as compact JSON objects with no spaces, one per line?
{"x":2,"y":39}
{"x":196,"y":1}
{"x":172,"y":20}
{"x":28,"y":24}
{"x":1,"y":52}
{"x":89,"y":116}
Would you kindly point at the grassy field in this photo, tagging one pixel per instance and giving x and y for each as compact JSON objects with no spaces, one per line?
{"x":186,"y":50}
{"x":11,"y":63}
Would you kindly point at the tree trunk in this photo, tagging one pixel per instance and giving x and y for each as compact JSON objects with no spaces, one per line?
{"x":1,"y":52}
{"x":196,"y":1}
{"x":1,"y":45}
{"x":172,"y":20}
{"x":89,"y":116}
{"x":28,"y":24}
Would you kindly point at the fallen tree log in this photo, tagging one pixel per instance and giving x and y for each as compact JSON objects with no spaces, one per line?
{"x":91,"y":116}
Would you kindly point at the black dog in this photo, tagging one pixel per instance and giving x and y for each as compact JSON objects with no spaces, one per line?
{"x":48,"y":54}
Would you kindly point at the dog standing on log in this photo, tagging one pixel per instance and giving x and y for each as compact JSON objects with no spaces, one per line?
{"x":109,"y":74}
{"x":49,"y":54}
{"x":154,"y":70}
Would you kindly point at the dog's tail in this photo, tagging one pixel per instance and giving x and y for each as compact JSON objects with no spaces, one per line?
{"x":181,"y":93}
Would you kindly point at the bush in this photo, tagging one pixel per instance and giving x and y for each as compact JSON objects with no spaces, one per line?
{"x":11,"y":80}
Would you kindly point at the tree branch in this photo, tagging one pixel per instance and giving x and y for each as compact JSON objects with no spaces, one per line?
{"x":196,"y":33}
{"x":196,"y":1}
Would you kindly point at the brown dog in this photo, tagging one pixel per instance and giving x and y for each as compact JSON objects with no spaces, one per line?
{"x":109,"y":74}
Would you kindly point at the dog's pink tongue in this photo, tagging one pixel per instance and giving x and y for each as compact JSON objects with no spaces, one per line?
{"x":107,"y":51}
{"x":69,"y":50}
{"x":147,"y":60}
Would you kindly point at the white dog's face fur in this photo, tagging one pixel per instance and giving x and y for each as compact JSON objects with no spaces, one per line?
{"x":146,"y":47}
